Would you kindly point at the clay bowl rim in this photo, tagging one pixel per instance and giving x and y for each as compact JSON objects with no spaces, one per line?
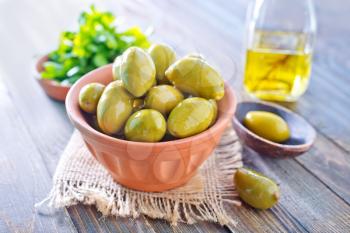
{"x":80,"y":123}
{"x":298,"y":147}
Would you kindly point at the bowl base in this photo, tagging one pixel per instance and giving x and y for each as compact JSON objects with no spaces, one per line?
{"x":154,"y":188}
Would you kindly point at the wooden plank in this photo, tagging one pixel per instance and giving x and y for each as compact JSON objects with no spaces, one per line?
{"x":163,"y":226}
{"x":330,"y":164}
{"x":36,"y":113}
{"x":24,"y":179}
{"x":46,"y":119}
{"x":86,"y":220}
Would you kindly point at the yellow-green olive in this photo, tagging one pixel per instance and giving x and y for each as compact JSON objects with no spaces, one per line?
{"x":114,"y":108}
{"x":163,"y":98}
{"x":267,"y":125}
{"x":137,"y":71}
{"x":196,"y":77}
{"x":116,"y":68}
{"x":89,"y":96}
{"x":256,"y":189}
{"x":146,"y":125}
{"x":215,"y":109}
{"x":190,"y":117}
{"x":163,"y":56}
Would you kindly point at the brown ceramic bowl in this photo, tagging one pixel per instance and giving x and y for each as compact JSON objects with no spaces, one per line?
{"x":52,"y":88}
{"x":143,"y":166}
{"x":302,"y":134}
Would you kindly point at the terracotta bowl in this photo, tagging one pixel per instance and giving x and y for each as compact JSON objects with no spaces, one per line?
{"x":151,"y":167}
{"x":52,"y":88}
{"x":302,"y":134}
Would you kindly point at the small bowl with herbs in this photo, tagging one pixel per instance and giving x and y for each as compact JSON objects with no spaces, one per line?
{"x":97,"y":42}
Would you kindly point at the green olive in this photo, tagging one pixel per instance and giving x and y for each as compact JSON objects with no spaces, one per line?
{"x":146,"y":125}
{"x":89,"y":96}
{"x":114,"y":108}
{"x":163,"y":98}
{"x":190,"y":117}
{"x":196,"y":77}
{"x":267,"y":125}
{"x":137,"y":71}
{"x":256,"y":189}
{"x":116,"y":68}
{"x":215,"y":109}
{"x":163,"y":56}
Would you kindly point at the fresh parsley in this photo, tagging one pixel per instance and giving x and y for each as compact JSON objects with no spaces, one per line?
{"x":96,"y":43}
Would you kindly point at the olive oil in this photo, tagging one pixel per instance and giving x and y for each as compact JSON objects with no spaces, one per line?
{"x":278,"y":66}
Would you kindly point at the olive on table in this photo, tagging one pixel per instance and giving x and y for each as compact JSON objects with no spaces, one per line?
{"x":89,"y":96}
{"x":190,"y":117}
{"x":137,"y":71}
{"x":163,"y":98}
{"x":146,"y":125}
{"x":195,"y":76}
{"x":116,"y":68}
{"x":256,"y":189}
{"x":163,"y":56}
{"x":267,"y":125}
{"x":114,"y":108}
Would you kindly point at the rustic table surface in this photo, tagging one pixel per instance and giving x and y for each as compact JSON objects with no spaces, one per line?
{"x":35,"y":129}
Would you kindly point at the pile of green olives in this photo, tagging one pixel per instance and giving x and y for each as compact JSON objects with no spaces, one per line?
{"x":153,"y":95}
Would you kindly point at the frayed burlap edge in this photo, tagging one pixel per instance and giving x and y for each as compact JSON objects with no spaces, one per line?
{"x":203,"y":199}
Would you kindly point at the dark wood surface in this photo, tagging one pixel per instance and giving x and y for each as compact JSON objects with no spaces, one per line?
{"x":35,"y":129}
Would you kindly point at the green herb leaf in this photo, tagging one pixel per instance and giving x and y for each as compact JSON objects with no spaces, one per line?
{"x":96,"y":43}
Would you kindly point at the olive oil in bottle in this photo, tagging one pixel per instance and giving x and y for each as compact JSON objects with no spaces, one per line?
{"x":278,"y":65}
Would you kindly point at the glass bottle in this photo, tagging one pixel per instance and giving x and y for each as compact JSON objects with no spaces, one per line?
{"x":279,"y":46}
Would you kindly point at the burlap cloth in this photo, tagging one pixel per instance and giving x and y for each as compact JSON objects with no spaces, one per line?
{"x":79,"y":178}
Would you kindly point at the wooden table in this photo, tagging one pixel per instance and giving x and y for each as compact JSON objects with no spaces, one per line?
{"x":35,"y":129}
